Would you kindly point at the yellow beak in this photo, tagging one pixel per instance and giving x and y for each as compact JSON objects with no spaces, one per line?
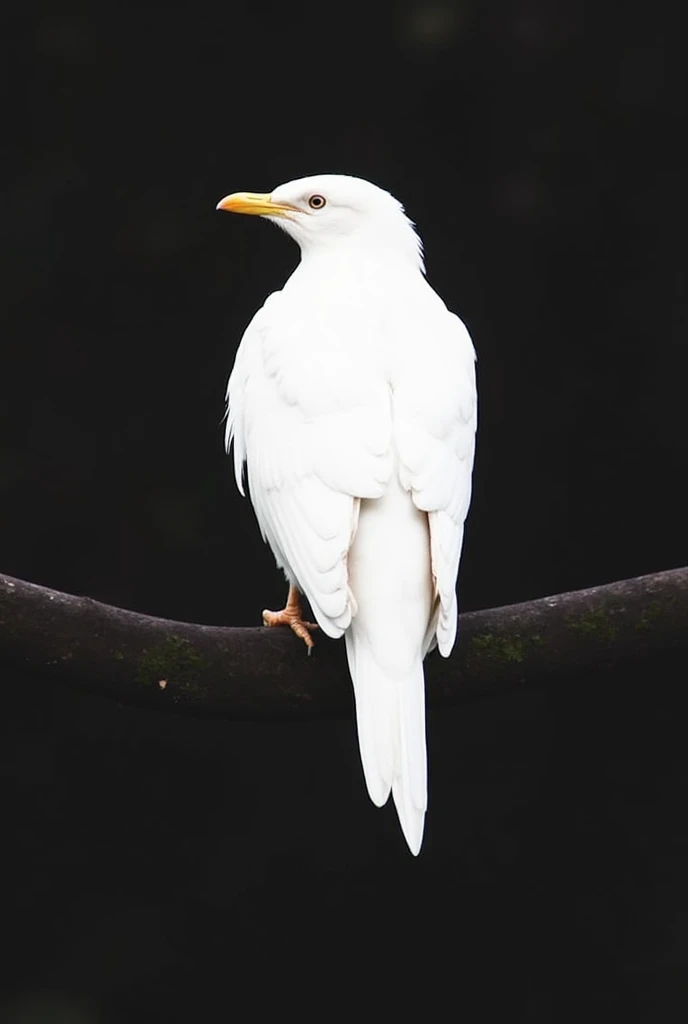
{"x":258,"y":203}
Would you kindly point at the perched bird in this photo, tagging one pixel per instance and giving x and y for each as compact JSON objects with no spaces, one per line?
{"x":353,"y":403}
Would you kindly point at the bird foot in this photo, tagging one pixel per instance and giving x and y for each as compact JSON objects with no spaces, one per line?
{"x":292,"y":616}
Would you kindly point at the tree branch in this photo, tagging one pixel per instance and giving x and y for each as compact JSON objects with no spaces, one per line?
{"x":265,"y":673}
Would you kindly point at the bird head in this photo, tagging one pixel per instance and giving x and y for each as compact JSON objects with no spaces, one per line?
{"x":334,"y":210}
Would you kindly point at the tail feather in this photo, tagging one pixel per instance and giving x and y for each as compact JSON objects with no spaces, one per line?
{"x":390,"y":715}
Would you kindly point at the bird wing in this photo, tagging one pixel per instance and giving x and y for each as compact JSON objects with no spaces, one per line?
{"x":435,"y":410}
{"x":313,"y":422}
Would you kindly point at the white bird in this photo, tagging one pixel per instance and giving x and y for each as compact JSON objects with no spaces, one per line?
{"x":353,"y":403}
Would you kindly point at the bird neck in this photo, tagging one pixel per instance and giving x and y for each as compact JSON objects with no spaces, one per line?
{"x":354,"y":258}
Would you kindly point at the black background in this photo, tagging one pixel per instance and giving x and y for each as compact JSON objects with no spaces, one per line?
{"x":169,"y":868}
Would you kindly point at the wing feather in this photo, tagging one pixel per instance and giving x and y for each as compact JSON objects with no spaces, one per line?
{"x":435,"y":424}
{"x":314,"y":424}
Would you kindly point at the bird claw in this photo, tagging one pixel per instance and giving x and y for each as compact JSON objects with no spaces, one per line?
{"x":291,"y":616}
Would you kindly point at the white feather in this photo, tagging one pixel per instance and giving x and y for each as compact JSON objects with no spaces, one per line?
{"x":390,"y":574}
{"x":353,"y":402}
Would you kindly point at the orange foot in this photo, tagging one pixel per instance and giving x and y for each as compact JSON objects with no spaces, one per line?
{"x":292,"y":616}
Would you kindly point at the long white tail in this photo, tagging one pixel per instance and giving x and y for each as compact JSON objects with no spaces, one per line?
{"x":390,"y":715}
{"x":391,"y":580}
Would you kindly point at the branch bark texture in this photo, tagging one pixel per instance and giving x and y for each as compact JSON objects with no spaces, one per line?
{"x":265,"y":673}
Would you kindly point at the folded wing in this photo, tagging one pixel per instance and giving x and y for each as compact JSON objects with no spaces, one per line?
{"x":314,"y":423}
{"x":435,"y":410}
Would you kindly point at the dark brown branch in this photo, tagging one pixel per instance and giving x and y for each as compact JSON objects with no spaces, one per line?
{"x":264,"y":673}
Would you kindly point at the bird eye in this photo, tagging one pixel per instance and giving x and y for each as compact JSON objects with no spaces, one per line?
{"x":317,"y":202}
